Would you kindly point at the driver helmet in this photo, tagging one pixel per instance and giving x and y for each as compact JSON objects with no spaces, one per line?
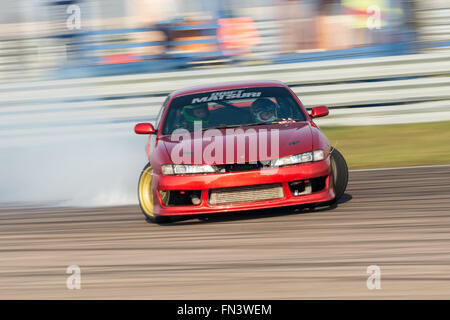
{"x":197,"y":112}
{"x":264,"y":110}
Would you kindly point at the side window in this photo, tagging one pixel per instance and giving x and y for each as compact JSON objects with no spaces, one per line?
{"x":160,"y":113}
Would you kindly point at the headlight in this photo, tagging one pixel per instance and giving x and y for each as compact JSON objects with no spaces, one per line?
{"x":171,"y":169}
{"x":316,"y":155}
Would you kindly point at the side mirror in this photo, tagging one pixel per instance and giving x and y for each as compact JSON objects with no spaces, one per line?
{"x":144,"y":128}
{"x":320,"y":111}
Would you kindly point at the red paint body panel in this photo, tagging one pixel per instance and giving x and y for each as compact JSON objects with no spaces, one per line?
{"x":205,"y":182}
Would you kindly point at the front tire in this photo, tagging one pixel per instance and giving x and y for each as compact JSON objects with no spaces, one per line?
{"x":340,"y":174}
{"x":145,"y":195}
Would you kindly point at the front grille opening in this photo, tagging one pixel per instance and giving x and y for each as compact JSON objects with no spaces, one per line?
{"x":246,"y":193}
{"x":318,"y":184}
{"x":302,"y":187}
{"x":237,"y":167}
{"x":181,"y":197}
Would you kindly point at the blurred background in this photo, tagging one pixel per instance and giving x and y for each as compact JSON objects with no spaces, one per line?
{"x":76,"y":75}
{"x":77,"y":38}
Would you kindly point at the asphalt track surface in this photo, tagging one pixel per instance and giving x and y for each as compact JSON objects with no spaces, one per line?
{"x":397,"y":219}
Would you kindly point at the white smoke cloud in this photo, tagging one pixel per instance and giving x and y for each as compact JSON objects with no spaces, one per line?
{"x":98,"y":171}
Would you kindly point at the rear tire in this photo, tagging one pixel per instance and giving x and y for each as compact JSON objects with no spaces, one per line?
{"x":339,"y":170}
{"x":145,"y":196}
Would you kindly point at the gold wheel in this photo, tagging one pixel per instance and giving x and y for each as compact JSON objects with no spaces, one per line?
{"x":145,"y":191}
{"x":145,"y":195}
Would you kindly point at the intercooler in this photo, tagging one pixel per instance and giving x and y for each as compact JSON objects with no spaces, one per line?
{"x":246,"y":193}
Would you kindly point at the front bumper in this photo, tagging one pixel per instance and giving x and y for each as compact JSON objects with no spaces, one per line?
{"x":206,"y":182}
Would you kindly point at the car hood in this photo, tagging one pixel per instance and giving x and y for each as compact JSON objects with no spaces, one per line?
{"x":282,"y":140}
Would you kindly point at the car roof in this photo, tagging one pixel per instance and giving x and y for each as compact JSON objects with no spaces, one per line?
{"x":227,"y":86}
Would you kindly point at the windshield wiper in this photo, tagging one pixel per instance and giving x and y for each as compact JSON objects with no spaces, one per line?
{"x":276,"y":121}
{"x":225,"y":126}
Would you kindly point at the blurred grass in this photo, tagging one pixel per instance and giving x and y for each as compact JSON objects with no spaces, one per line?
{"x":392,"y":145}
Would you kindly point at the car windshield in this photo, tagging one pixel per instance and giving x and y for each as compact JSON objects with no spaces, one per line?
{"x":232,"y":108}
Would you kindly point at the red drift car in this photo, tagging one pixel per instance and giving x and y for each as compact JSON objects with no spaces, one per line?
{"x":237,"y":146}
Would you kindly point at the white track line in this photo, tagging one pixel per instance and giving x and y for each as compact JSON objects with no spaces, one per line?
{"x":394,"y":168}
